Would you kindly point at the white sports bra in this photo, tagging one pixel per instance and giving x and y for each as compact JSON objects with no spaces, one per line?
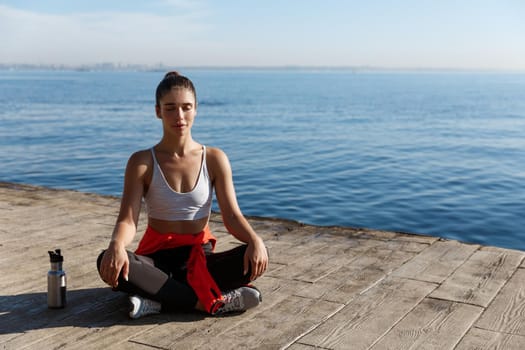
{"x":163,"y":203}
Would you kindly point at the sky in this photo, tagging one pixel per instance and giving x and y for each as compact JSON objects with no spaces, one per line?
{"x":399,"y":34}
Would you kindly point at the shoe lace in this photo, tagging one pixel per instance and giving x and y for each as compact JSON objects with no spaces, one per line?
{"x":232,"y":301}
{"x":149,"y":306}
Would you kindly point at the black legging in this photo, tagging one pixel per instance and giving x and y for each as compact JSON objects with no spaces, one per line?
{"x":161,"y":276}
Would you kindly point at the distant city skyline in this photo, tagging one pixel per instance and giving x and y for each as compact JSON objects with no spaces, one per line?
{"x":409,"y":34}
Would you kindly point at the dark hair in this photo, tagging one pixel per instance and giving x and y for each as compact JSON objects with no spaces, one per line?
{"x":173,"y":80}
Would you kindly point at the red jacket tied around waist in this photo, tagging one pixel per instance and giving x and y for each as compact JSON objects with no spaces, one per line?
{"x":198,"y":276}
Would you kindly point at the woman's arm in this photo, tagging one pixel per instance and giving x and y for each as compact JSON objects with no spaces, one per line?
{"x":115,"y":258}
{"x":256,"y":255}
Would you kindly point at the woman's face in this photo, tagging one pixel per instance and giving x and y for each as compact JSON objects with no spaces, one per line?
{"x":177,"y":109}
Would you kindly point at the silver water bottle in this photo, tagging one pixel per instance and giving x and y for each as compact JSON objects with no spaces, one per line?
{"x":56,"y":281}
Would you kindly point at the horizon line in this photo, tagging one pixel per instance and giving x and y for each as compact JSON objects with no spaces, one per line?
{"x":110,"y":66}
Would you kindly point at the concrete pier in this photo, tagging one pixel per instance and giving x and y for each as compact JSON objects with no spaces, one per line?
{"x":327,"y":287}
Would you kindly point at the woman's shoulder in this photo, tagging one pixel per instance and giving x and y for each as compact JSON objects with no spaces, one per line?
{"x":142,"y":157}
{"x":215,"y":154}
{"x":142,"y":154}
{"x":217,"y":161}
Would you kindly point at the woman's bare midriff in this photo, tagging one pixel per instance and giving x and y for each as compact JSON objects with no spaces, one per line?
{"x":185,"y":226}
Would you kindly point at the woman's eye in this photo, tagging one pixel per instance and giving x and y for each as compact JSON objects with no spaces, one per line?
{"x":185,"y":107}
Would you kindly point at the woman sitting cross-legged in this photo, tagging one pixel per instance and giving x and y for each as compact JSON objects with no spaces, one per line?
{"x":174,"y":267}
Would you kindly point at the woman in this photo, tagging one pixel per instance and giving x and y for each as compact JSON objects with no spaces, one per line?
{"x":174,"y":267}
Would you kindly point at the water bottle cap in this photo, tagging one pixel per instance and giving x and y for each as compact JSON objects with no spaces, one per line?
{"x":55,"y":256}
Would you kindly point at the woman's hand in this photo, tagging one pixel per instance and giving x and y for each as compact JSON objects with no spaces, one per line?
{"x":114,"y":261}
{"x":256,"y":256}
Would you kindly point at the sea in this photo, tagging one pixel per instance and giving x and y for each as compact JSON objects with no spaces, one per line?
{"x":438,"y":153}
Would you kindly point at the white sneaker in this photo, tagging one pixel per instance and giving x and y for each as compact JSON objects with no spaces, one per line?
{"x":142,"y":307}
{"x":240,"y":299}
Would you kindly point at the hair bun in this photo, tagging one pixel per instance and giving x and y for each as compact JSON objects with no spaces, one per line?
{"x":172,"y":74}
{"x":173,"y":80}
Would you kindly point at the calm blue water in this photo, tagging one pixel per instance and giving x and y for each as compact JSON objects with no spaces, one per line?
{"x":431,"y":153}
